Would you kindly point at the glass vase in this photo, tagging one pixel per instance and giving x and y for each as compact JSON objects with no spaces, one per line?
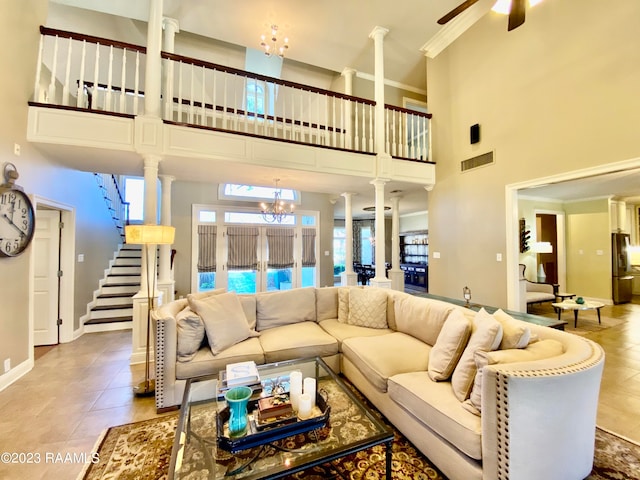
{"x":237,"y":399}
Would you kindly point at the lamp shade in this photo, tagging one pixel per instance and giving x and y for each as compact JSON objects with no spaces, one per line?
{"x":149,"y":234}
{"x":542,"y":247}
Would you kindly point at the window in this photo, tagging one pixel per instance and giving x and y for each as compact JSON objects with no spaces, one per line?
{"x":134,"y":195}
{"x":251,"y":193}
{"x":255,"y":97}
{"x":366,"y":249}
{"x":339,"y":250}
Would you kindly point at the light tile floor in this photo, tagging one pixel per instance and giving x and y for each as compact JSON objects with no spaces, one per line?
{"x":78,"y":389}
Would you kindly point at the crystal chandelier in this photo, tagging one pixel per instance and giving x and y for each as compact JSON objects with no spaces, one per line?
{"x":270,"y":46}
{"x":277,"y":210}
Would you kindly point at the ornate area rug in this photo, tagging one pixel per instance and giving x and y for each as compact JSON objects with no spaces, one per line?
{"x":141,"y":451}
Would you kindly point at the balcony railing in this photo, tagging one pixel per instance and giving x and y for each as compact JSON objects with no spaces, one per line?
{"x":91,"y":73}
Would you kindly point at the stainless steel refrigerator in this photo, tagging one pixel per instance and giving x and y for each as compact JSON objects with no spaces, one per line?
{"x":621,"y":268}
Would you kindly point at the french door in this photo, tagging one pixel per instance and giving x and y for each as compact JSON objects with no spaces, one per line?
{"x":249,"y":257}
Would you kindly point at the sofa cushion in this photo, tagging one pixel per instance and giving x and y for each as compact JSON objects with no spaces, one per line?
{"x":368,"y":307}
{"x":274,"y":309}
{"x":515,"y":334}
{"x":435,"y":405}
{"x":341,"y":331}
{"x":205,"y":363}
{"x":206,"y":294}
{"x":297,"y":340}
{"x":449,"y":346}
{"x":224,"y":320}
{"x":536,"y":351}
{"x":190,"y":331}
{"x":485,"y":336}
{"x":382,"y":356}
{"x":326,"y":303}
{"x":422,"y":318}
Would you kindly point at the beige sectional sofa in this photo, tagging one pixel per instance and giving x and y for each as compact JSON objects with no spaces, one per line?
{"x":483,"y":396}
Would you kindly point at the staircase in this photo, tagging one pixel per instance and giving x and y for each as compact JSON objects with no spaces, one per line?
{"x":112,"y":306}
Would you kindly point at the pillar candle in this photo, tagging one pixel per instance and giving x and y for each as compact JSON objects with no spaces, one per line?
{"x":295,"y":388}
{"x":304,"y":406}
{"x":310,"y":388}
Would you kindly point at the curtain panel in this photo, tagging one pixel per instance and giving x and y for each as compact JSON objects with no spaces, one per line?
{"x":308,"y":247}
{"x":242,"y":248}
{"x":206,"y":248}
{"x":280,"y":245}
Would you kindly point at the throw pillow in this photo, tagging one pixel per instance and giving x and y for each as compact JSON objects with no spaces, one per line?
{"x":449,"y":346}
{"x":224,"y":320}
{"x":368,"y":307}
{"x":515,"y":334}
{"x":190,"y":331}
{"x":343,"y":304}
{"x":485,"y":336}
{"x":536,"y":351}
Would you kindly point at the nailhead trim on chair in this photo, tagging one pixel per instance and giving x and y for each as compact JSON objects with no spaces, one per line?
{"x":502,"y":414}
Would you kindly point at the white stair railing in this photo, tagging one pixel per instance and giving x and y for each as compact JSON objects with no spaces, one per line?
{"x":114,"y":199}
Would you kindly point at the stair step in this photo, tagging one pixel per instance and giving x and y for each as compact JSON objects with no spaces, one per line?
{"x":118,"y":306}
{"x":127,"y":262}
{"x":122,"y":284}
{"x":109,"y":312}
{"x":115,"y":295}
{"x":99,"y":321}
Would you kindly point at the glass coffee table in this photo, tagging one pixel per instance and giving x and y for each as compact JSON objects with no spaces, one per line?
{"x":343,"y":425}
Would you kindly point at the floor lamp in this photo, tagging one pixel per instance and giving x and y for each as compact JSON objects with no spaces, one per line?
{"x":148,"y":236}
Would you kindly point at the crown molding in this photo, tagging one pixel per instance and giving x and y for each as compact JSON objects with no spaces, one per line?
{"x":456,"y":27}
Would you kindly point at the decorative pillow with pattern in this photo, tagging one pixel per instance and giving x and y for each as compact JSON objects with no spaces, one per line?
{"x":190,"y":330}
{"x":368,"y":307}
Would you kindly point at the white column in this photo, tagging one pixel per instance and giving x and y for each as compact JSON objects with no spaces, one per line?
{"x":396,"y":275}
{"x":378,"y":34}
{"x":348,"y":74}
{"x":380,"y":280}
{"x":348,"y":277}
{"x":153,"y":66}
{"x":171,"y":27}
{"x":166,"y":284}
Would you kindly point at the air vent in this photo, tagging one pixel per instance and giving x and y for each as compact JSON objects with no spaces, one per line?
{"x":476,"y":162}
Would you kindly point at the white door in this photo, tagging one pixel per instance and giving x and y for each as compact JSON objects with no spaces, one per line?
{"x":46,"y":245}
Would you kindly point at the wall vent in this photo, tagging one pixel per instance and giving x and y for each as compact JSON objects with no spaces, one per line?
{"x":475,"y":162}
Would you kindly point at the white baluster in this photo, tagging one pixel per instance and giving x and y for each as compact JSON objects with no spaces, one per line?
{"x":96,"y":71}
{"x":387,"y":134}
{"x":283,"y":92}
{"x":54,"y":64}
{"x":246,"y":109}
{"x":310,"y":131}
{"x":356,"y":138}
{"x":107,"y":98}
{"x":371,"y":131}
{"x":136,"y":84}
{"x":412,"y":148}
{"x":80,"y":102}
{"x":36,"y":89}
{"x":293,"y":112}
{"x":65,"y":86}
{"x":224,"y":100}
{"x":191,"y":94}
{"x":123,"y":83}
{"x":203,"y":110}
{"x":394,"y":145}
{"x":214,"y":105}
{"x":180,"y":91}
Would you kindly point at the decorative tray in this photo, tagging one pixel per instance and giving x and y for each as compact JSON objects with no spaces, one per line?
{"x":261,"y":434}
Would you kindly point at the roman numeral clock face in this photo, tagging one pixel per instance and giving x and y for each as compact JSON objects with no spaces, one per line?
{"x":17,"y":222}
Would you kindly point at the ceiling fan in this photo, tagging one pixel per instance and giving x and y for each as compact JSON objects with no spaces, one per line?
{"x":516,"y":13}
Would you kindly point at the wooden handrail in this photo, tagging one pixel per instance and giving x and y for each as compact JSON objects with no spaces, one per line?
{"x":256,"y":76}
{"x":91,"y":39}
{"x":406,"y":110}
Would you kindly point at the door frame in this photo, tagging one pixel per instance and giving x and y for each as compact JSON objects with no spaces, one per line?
{"x":67,"y":265}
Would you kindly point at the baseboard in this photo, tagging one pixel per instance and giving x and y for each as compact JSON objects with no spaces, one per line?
{"x":16,"y":373}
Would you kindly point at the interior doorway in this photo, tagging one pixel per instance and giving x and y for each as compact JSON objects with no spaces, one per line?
{"x":547,"y":232}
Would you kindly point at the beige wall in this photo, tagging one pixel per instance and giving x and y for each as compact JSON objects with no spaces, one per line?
{"x":552,"y":96}
{"x":589,"y":248}
{"x":95,"y":234}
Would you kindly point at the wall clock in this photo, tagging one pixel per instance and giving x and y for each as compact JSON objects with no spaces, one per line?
{"x":17,"y":218}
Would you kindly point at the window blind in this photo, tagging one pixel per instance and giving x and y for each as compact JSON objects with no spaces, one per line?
{"x":242,"y":249}
{"x":206,"y":248}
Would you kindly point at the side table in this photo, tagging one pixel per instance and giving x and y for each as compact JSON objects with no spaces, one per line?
{"x":573,"y":305}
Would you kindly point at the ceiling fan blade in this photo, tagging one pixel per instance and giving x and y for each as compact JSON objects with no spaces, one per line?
{"x":517,"y":14}
{"x":456,"y":11}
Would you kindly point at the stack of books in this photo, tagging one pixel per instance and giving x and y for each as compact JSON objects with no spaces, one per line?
{"x":274,"y":408}
{"x":239,"y":374}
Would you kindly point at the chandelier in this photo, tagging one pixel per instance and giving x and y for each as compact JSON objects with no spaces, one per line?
{"x":270,"y":46}
{"x":277,"y":210}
